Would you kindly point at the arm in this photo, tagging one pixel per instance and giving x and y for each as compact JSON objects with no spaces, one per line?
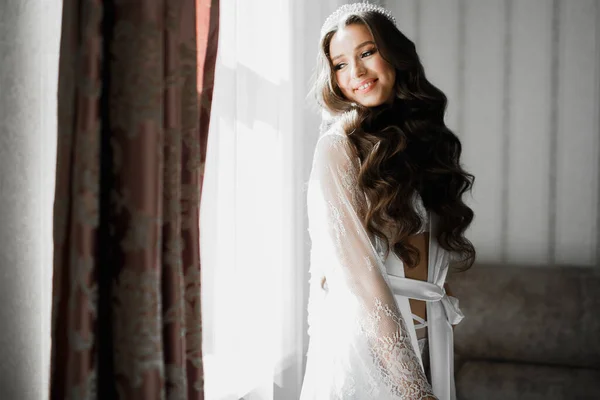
{"x":358,"y":271}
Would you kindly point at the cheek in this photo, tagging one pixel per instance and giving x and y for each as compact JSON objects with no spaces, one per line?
{"x":343,"y":82}
{"x":392,"y":77}
{"x":384,"y":69}
{"x":392,"y":74}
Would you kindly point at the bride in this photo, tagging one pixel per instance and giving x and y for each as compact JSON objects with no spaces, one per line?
{"x":386,"y":219}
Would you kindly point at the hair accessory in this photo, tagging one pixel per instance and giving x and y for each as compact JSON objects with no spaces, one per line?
{"x":356,"y":8}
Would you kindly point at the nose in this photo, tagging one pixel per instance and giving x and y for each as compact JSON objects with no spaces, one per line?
{"x":358,"y":70}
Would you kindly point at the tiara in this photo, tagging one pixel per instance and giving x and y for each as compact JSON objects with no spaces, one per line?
{"x":356,"y":8}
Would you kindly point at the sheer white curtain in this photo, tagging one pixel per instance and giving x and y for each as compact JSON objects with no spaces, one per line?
{"x":29,"y":50}
{"x":253,"y":228}
{"x":246,"y":250}
{"x":251,"y":283}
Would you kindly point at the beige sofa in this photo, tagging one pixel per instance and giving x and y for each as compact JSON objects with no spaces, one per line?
{"x":528,"y":333}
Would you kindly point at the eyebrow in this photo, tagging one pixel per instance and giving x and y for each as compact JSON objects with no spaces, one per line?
{"x":357,"y":47}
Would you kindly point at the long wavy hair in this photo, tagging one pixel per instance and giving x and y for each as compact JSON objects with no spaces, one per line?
{"x":405,"y":148}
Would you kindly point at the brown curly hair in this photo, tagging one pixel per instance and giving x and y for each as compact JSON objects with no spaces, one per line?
{"x":404,"y":148}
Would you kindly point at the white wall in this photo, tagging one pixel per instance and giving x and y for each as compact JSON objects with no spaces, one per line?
{"x":523,"y":83}
{"x":29,"y":39}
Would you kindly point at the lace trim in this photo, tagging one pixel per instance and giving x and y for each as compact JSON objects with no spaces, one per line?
{"x":400,"y":368}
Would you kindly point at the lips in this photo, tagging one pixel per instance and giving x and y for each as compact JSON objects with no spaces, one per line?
{"x":365,"y":82}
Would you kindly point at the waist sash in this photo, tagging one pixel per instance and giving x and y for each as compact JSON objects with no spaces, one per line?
{"x":442,"y":313}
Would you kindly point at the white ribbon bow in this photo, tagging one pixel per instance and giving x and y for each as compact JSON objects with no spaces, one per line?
{"x":427,"y":291}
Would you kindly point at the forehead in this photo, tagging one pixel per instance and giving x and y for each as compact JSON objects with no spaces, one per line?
{"x":347,"y":38}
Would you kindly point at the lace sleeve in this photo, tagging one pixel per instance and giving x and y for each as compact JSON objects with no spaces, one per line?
{"x":358,"y":271}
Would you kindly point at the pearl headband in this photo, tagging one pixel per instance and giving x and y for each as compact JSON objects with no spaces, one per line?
{"x":353,"y":9}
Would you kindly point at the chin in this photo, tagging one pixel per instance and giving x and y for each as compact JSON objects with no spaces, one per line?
{"x":370,"y":103}
{"x":373,"y":101}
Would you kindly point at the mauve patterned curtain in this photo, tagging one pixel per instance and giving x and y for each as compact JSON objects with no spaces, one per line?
{"x":135,"y":88}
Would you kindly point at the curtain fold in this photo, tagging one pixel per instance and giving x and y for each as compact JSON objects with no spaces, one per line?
{"x":135,"y":89}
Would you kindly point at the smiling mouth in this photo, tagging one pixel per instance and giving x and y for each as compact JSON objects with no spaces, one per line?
{"x":366,"y":87}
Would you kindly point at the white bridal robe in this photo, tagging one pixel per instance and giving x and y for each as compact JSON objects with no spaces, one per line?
{"x":363,"y":342}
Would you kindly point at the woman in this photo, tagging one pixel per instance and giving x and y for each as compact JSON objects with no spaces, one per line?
{"x":386,"y":219}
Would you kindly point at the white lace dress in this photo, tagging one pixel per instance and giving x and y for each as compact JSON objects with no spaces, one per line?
{"x":363,"y":342}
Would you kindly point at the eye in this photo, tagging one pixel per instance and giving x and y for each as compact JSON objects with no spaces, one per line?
{"x":368,"y":53}
{"x":339,"y":66}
